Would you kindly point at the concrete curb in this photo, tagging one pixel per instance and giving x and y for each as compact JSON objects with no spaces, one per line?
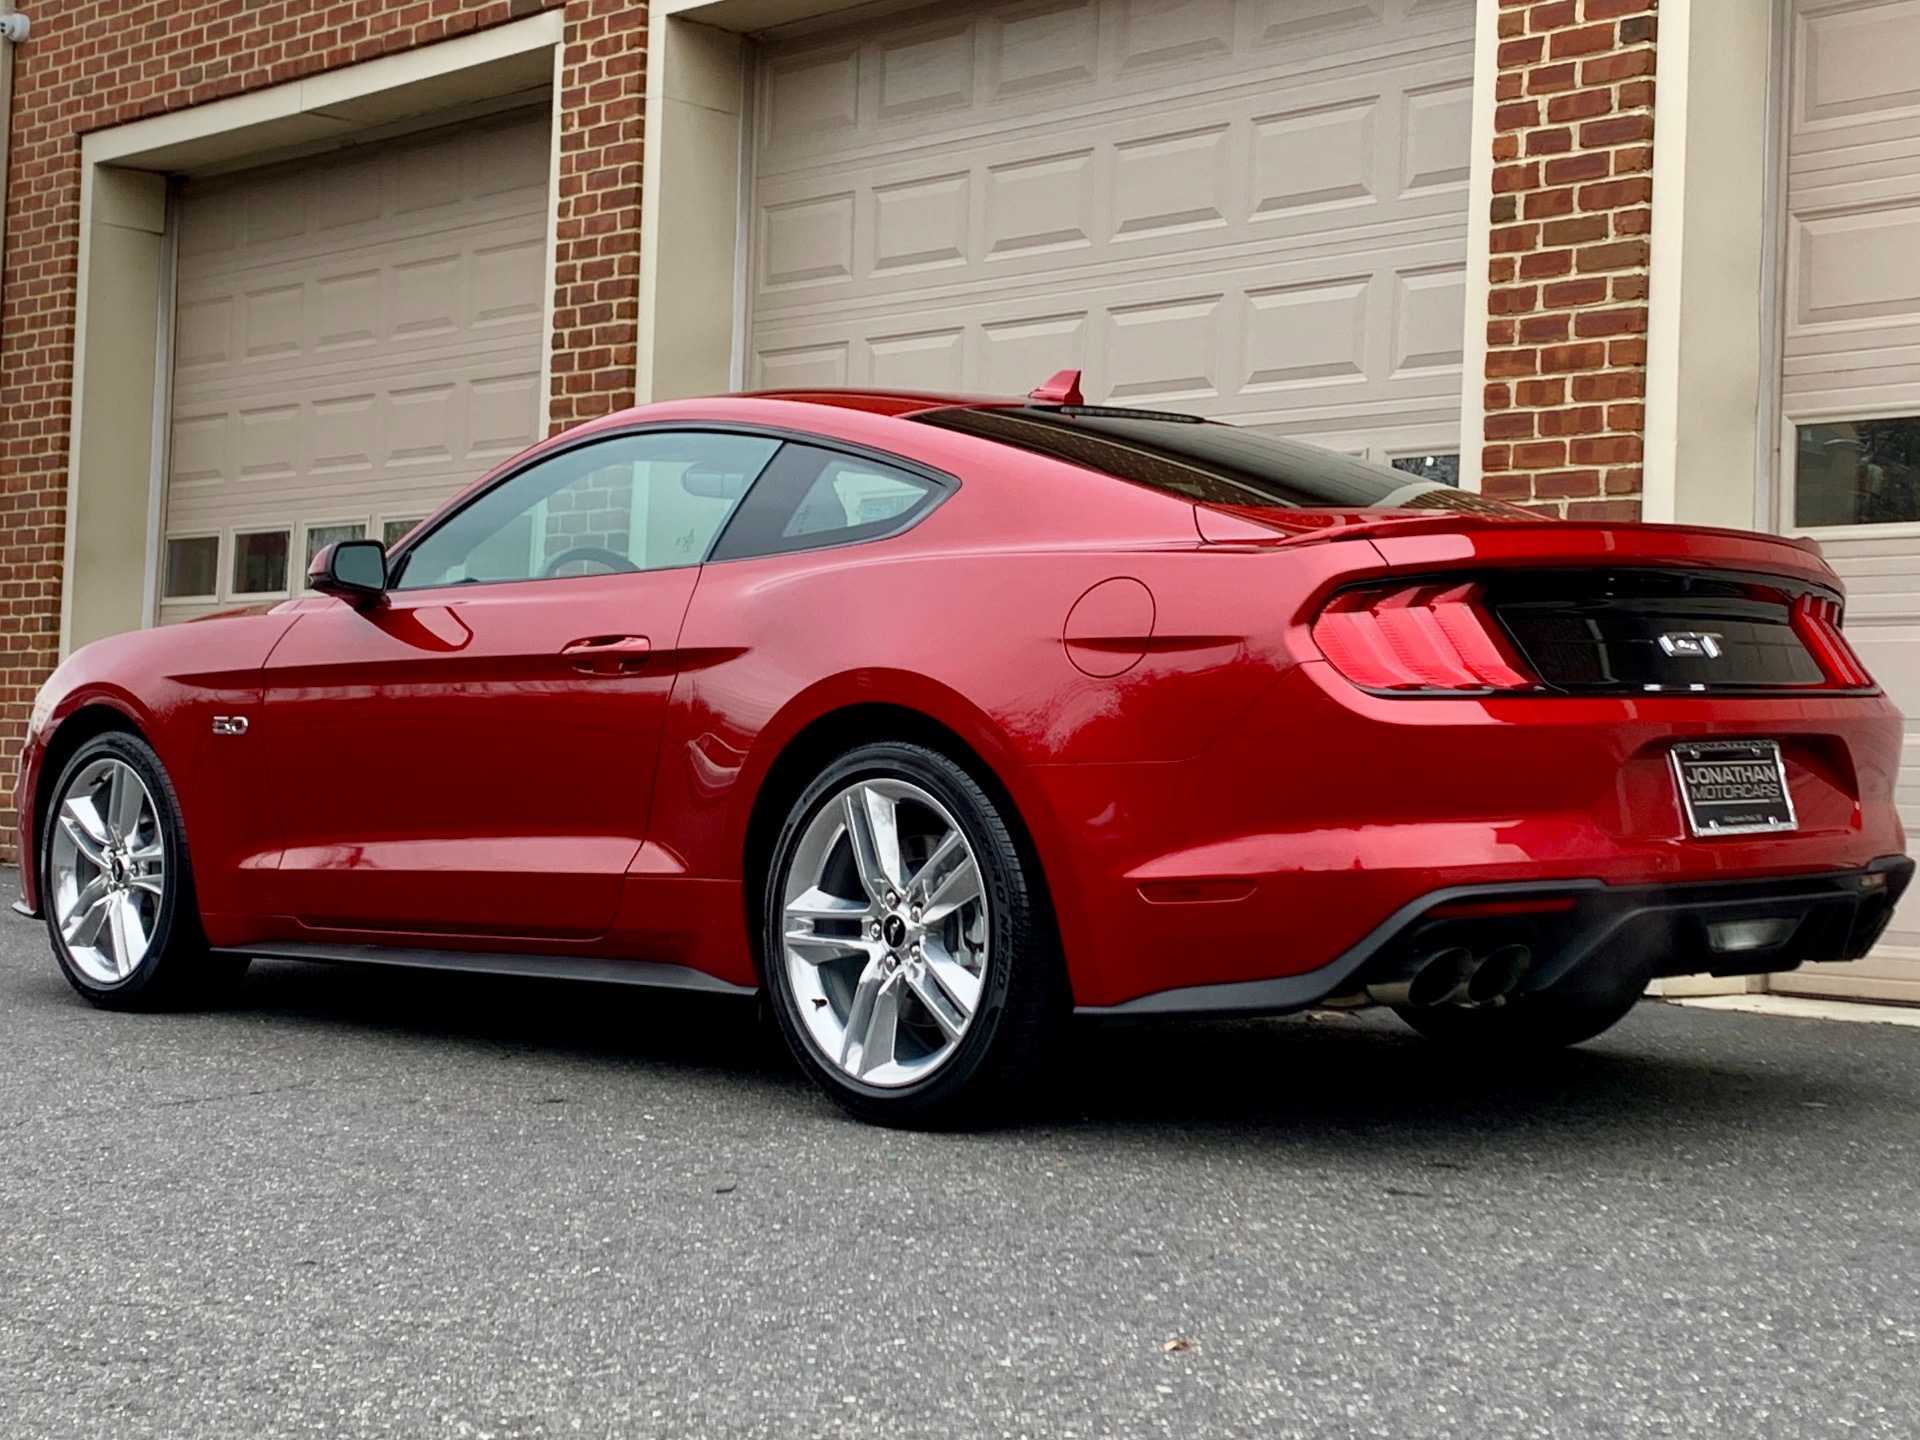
{"x":1794,"y":1007}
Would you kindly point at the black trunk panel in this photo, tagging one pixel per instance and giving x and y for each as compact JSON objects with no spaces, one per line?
{"x":1603,"y":631}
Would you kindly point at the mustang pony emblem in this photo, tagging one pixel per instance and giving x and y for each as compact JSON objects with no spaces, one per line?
{"x":1691,"y":645}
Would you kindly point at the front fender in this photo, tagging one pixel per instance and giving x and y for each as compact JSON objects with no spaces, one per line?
{"x":168,"y":684}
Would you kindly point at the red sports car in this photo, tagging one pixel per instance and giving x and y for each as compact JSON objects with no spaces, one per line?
{"x":938,"y":719}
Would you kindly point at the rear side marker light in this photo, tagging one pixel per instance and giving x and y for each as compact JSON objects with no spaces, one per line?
{"x":1816,"y":620}
{"x":1415,"y":638}
{"x":1194,"y":892}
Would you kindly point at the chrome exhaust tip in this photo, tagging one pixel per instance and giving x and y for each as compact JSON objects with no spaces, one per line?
{"x":1496,"y":976}
{"x":1429,"y":982}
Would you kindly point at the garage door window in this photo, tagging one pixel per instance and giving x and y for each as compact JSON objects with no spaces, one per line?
{"x":260,"y":562}
{"x":321,"y":536}
{"x":193,"y":567}
{"x":1858,"y":472}
{"x":1443,"y":469}
{"x":638,"y":502}
{"x":392,"y":532}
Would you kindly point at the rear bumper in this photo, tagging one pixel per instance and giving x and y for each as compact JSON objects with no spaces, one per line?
{"x":1632,"y":933}
{"x":1323,"y":812}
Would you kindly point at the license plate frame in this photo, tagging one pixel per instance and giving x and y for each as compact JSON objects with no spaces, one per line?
{"x":1703,"y":769}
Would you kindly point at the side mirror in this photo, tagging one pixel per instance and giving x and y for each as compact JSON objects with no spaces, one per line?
{"x":355,"y":570}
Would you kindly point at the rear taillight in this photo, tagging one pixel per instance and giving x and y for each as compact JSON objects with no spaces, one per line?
{"x":1816,"y":620}
{"x":1418,"y":638}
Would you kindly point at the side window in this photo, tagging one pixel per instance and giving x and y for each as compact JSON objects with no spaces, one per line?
{"x":811,"y":497}
{"x":652,"y":501}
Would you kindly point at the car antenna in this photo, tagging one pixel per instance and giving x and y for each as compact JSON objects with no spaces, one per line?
{"x":1062,"y":389}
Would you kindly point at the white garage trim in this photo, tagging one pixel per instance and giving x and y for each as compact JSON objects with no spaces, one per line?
{"x":150,"y":578}
{"x":335,"y":104}
{"x":119,"y":392}
{"x":690,"y":177}
{"x":690,"y":188}
{"x":1473,"y":346}
{"x":1709,"y":319}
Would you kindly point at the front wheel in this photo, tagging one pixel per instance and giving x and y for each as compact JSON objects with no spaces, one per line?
{"x":908,"y":947}
{"x":117,"y":887}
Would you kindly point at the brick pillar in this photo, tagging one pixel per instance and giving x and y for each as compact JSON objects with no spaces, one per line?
{"x":596,"y":280}
{"x":1570,"y":214}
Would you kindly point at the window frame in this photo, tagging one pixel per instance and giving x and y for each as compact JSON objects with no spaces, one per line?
{"x":219,"y":554}
{"x":945,"y":485}
{"x":412,"y":522}
{"x":1787,"y":491}
{"x":232,"y":552}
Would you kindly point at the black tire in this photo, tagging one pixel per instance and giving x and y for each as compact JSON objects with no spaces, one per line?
{"x":178,"y":970}
{"x":1531,"y":1024}
{"x":997,"y":1067}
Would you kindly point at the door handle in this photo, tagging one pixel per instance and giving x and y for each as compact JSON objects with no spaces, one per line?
{"x":608,"y":654}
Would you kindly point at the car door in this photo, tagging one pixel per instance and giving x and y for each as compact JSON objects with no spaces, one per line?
{"x":474,"y":754}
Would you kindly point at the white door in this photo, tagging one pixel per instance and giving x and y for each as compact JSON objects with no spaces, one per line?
{"x":1245,"y":208}
{"x":1852,"y":387}
{"x":356,"y":337}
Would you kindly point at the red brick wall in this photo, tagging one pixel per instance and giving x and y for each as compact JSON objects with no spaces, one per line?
{"x":596,"y":322}
{"x":94,"y":63}
{"x":1571,"y":206}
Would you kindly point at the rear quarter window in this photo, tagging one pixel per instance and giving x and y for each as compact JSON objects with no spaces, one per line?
{"x":811,"y":497}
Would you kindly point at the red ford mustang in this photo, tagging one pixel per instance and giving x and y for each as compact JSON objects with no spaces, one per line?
{"x":940,"y":718}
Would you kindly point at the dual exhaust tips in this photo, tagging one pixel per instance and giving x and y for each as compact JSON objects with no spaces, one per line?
{"x":1456,"y":976}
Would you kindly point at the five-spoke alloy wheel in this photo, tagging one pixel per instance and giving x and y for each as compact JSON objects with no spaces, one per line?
{"x":108,"y":870}
{"x":886,"y":938}
{"x":907,"y":947}
{"x":116,"y":885}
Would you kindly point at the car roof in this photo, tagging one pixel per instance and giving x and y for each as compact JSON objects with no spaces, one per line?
{"x":885,"y":402}
{"x":772,"y":406}
{"x":1062,"y":389}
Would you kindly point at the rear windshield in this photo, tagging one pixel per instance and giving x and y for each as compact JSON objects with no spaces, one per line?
{"x":1207,"y":462}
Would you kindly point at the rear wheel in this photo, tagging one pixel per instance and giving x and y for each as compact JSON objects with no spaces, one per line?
{"x":1530,"y":1024}
{"x":117,"y":886}
{"x":909,"y":952}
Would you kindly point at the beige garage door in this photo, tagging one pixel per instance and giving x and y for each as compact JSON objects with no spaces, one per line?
{"x":1253,"y":208}
{"x":1853,"y":372}
{"x":356,"y":337}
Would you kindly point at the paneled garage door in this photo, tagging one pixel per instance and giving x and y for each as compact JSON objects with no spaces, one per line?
{"x":356,"y":337}
{"x":1853,"y":373}
{"x":1253,"y":208}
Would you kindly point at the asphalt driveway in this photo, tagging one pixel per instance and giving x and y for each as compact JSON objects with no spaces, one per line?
{"x":373,"y":1204}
